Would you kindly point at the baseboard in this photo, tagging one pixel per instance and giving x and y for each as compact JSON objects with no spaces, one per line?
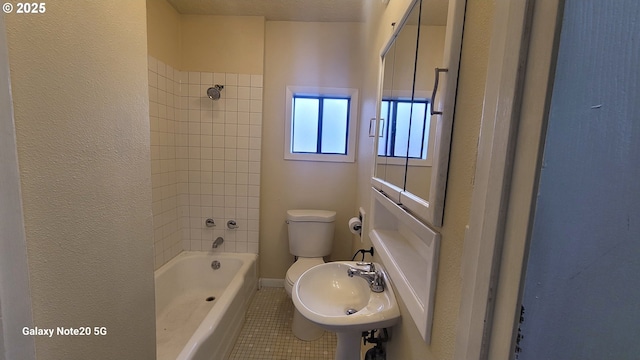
{"x":266,"y":282}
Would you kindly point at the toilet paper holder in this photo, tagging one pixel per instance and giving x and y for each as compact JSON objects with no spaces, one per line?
{"x":355,"y":225}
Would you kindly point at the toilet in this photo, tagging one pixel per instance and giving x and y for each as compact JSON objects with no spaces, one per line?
{"x":310,"y":238}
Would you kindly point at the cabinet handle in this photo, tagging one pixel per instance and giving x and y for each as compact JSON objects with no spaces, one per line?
{"x":435,"y":90}
{"x":373,"y":122}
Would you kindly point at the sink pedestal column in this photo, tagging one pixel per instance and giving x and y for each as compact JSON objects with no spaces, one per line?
{"x":348,"y":345}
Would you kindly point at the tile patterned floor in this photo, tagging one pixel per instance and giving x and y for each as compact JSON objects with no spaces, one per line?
{"x":267,"y":335}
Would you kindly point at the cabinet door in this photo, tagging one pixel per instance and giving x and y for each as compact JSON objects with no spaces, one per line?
{"x":431,"y":38}
{"x":439,"y":39}
{"x":396,"y":102}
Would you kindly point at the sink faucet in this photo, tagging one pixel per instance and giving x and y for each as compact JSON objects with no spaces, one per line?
{"x":217,"y":242}
{"x":373,"y":276}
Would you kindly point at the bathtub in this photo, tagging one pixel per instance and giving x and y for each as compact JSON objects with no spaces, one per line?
{"x":199,"y":310}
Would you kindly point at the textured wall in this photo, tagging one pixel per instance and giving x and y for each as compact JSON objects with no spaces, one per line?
{"x":407,"y":343}
{"x":15,"y":297}
{"x":79,"y":81}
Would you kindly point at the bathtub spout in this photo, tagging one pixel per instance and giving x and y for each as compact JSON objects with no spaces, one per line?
{"x":217,"y":242}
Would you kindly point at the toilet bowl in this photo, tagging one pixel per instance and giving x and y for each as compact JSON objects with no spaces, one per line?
{"x":310,"y":238}
{"x":296,"y":270}
{"x":301,"y":327}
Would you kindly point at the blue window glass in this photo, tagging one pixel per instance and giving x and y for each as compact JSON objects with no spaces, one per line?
{"x":405,"y":129}
{"x":320,"y":124}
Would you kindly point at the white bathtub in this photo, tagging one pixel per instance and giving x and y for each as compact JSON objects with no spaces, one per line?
{"x":187,"y":325}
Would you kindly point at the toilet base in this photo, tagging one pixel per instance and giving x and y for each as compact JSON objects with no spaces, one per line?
{"x":304,"y":329}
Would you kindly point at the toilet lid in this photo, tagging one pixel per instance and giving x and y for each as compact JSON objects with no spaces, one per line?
{"x":300,"y":266}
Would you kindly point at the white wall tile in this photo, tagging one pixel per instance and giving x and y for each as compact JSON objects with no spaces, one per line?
{"x":205,"y":159}
{"x":184,"y":77}
{"x":163,"y":111}
{"x":194,"y":90}
{"x":256,"y":93}
{"x":231,"y":79}
{"x":231,"y":92}
{"x":152,"y":63}
{"x":243,"y":119}
{"x":242,"y":143}
{"x":244,"y":92}
{"x":194,"y":77}
{"x":219,"y":78}
{"x":256,"y":81}
{"x":244,"y":80}
{"x":244,"y":105}
{"x":206,"y":78}
{"x":161,"y":69}
{"x":255,"y":106}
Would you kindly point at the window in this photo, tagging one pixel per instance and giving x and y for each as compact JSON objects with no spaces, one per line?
{"x":405,"y":129}
{"x":320,"y":124}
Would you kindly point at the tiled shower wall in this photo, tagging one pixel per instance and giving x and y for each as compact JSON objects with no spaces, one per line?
{"x":218,"y":160}
{"x":208,"y":163}
{"x":164,"y":98}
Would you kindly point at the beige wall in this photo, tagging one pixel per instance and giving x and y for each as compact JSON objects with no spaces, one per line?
{"x":79,"y":82}
{"x":15,"y":296}
{"x":163,"y":32}
{"x":208,"y":43}
{"x":224,"y":44}
{"x":407,"y":343}
{"x":377,"y":33}
{"x":304,"y":54}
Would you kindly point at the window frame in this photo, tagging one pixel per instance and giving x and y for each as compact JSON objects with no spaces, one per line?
{"x":322,"y":93}
{"x":385,"y":127}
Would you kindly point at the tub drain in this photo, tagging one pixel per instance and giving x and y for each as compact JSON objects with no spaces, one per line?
{"x":351,"y":311}
{"x":210,"y":298}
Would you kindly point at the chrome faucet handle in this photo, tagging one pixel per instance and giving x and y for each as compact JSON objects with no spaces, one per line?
{"x":371,"y":266}
{"x":378,"y":284}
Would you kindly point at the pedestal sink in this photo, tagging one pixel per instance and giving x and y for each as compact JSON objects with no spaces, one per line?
{"x":327,"y":296}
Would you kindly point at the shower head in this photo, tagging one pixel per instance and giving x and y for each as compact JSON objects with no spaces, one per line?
{"x":214,"y":92}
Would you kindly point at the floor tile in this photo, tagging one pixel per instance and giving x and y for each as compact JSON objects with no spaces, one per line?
{"x":267,"y":334}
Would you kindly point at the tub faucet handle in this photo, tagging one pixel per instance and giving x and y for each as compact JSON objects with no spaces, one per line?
{"x":232,"y":224}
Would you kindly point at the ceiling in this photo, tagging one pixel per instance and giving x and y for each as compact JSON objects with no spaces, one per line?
{"x":280,"y":10}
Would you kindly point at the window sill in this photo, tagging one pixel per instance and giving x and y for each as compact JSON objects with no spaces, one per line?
{"x":320,"y":157}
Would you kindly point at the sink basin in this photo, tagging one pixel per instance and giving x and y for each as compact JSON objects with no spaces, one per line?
{"x":327,"y":296}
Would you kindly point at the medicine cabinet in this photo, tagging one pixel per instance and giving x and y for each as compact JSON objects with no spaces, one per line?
{"x":418,"y":79}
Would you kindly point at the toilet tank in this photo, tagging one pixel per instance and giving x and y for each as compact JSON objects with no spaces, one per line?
{"x":310,"y":232}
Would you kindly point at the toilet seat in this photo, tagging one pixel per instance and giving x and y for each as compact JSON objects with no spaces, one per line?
{"x":299,"y":267}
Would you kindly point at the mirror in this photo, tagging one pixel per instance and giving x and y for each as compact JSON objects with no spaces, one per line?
{"x":432,"y":30}
{"x":395,"y":106}
{"x":417,"y":98}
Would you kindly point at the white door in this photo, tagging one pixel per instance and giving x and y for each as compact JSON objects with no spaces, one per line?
{"x":581,"y":297}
